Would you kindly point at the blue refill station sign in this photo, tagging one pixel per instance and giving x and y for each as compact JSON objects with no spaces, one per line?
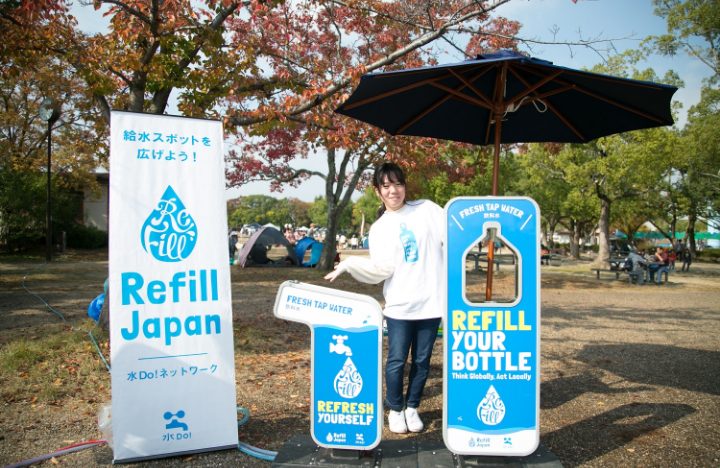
{"x":346,"y":410}
{"x":492,"y":348}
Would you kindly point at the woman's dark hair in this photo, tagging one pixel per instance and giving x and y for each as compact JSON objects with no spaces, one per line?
{"x":393,"y":174}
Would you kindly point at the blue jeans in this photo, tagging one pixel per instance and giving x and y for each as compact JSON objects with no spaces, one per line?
{"x":652,"y":269}
{"x":660,"y":272}
{"x":416,"y":337}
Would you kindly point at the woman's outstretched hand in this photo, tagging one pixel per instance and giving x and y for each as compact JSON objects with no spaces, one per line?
{"x":333,"y":274}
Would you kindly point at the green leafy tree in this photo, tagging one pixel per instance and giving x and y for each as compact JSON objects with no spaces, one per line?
{"x":299,"y":212}
{"x":560,"y":201}
{"x":550,"y":193}
{"x":693,"y":29}
{"x":23,"y":196}
{"x":367,"y":204}
{"x":467,"y":171}
{"x":318,"y":213}
{"x":630,"y":215}
{"x":583,"y":213}
{"x":260,"y":209}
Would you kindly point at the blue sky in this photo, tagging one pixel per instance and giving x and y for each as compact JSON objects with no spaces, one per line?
{"x":608,"y":19}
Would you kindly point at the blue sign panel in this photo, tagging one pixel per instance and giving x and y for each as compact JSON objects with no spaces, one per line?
{"x":346,"y":410}
{"x":492,"y":347}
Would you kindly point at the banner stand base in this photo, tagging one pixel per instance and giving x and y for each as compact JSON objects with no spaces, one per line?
{"x":173,"y":454}
{"x":301,"y":451}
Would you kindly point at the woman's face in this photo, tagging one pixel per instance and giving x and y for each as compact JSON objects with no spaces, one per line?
{"x":392,"y":194}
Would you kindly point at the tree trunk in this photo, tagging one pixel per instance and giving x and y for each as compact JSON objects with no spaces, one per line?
{"x":576,"y":228}
{"x":327,"y":259}
{"x":544,"y":238}
{"x":552,"y":227}
{"x":691,"y":236}
{"x":588,"y":235}
{"x":337,"y":201}
{"x":604,"y":225}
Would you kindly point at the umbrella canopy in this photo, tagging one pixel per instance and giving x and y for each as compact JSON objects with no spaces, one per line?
{"x":507,"y":98}
{"x":532,"y":99}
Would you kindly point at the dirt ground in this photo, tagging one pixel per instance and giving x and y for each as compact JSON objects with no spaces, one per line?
{"x":630,"y":375}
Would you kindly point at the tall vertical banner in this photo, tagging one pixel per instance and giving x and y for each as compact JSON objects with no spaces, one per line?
{"x":492,"y":348}
{"x":173,"y":373}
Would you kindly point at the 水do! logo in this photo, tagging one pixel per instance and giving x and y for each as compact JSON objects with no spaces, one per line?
{"x":169,"y":233}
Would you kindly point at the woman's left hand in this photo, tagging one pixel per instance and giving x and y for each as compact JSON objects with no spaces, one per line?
{"x":333,"y":274}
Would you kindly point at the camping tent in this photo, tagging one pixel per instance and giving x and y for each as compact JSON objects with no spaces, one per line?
{"x":315,"y":251}
{"x":263,"y":237}
{"x":271,"y":225}
{"x":252,"y":227}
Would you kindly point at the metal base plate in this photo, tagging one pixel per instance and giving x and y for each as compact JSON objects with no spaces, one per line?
{"x":301,"y":451}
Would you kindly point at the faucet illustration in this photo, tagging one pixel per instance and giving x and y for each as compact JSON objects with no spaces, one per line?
{"x":340,"y":347}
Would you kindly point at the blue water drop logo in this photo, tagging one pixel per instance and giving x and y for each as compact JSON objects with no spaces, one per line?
{"x":169,"y":233}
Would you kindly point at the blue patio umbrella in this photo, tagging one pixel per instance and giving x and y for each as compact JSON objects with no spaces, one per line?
{"x":507,"y":98}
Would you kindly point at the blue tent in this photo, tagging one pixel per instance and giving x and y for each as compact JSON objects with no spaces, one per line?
{"x":315,"y":251}
{"x":301,"y":246}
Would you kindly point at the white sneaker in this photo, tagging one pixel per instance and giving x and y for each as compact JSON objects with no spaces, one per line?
{"x":396,"y":421}
{"x":414,"y":423}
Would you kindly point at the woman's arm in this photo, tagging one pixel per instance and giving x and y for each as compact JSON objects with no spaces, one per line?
{"x":362,"y":269}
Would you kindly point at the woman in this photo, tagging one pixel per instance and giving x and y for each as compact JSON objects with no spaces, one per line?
{"x":405,"y":251}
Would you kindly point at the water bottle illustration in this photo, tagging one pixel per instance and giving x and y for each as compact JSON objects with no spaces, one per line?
{"x":348,"y":383}
{"x":491,"y":409}
{"x":409,"y":243}
{"x":169,"y":233}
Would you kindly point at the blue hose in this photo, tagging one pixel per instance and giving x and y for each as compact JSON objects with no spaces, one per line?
{"x":107,"y":365}
{"x":266,"y":455}
{"x":244,"y":448}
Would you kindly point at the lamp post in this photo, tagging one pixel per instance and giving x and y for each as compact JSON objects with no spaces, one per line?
{"x":49,"y":112}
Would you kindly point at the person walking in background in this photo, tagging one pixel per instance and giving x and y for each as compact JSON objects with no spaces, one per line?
{"x":343,"y":241}
{"x":687,"y":259}
{"x":679,"y":249}
{"x":232,"y":240}
{"x":406,"y":251}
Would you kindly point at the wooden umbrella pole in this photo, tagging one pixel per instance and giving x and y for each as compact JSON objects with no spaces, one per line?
{"x":491,"y":232}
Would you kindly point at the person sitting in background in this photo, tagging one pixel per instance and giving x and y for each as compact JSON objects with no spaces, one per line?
{"x":636,"y":259}
{"x":636,"y":265}
{"x":660,"y":256}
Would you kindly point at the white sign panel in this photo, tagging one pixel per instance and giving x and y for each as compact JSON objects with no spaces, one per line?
{"x":173,"y":373}
{"x":347,"y":410}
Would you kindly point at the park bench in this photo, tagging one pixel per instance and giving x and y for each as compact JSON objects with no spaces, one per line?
{"x":638,"y":275}
{"x":499,"y":259}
